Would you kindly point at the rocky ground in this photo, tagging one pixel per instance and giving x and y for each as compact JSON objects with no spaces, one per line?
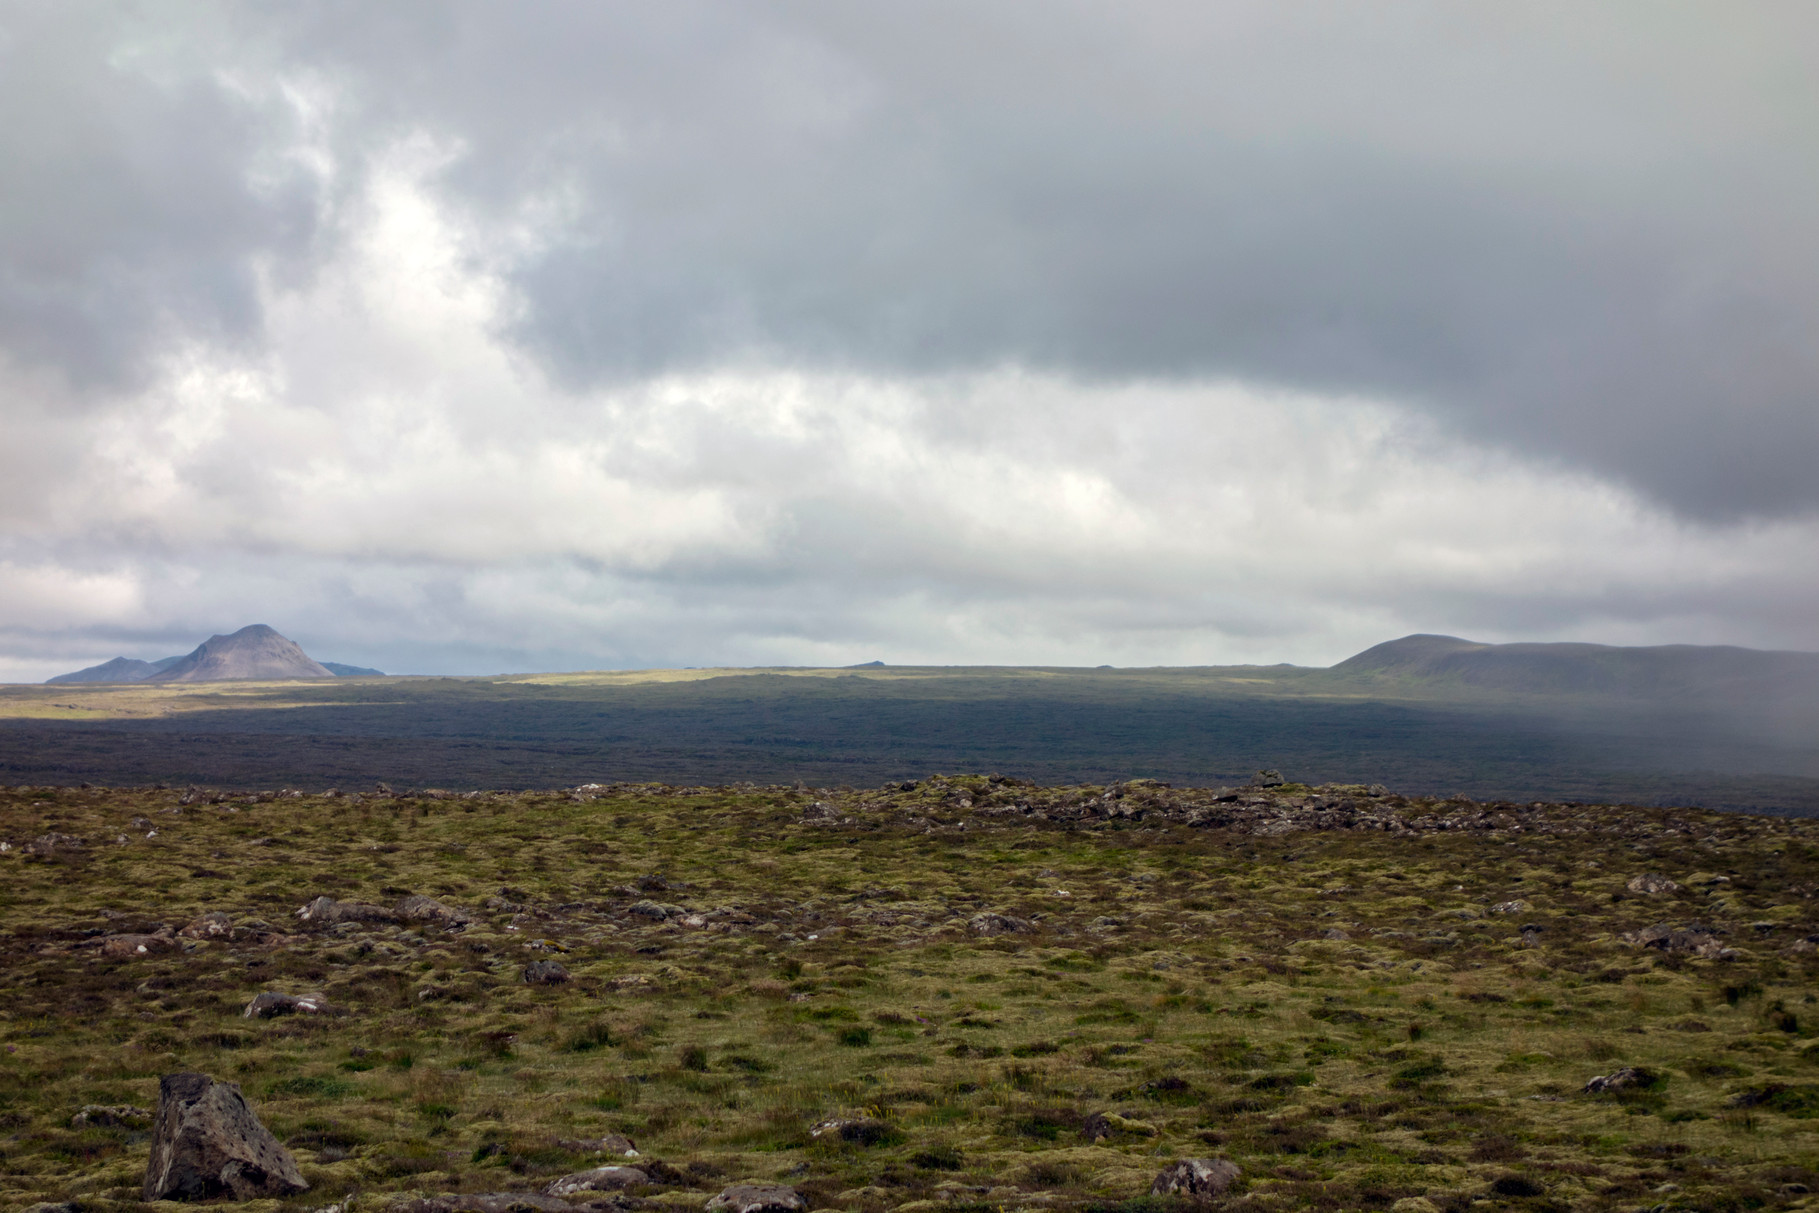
{"x":962,"y":992}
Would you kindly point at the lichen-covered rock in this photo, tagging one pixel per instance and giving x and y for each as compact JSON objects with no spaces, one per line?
{"x":545,"y":973}
{"x":1196,"y":1177}
{"x":599,"y":1179}
{"x":207,"y":1143}
{"x":758,"y":1198}
{"x":271,"y":1004}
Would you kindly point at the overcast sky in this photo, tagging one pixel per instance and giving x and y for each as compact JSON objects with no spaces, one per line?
{"x":469,"y":337}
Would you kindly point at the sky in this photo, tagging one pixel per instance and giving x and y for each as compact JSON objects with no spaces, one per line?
{"x":475,"y":337}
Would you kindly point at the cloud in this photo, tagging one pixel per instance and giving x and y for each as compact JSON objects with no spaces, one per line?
{"x":460,"y":337}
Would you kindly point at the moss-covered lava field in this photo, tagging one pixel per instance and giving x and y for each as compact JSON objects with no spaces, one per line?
{"x":1005,"y":996}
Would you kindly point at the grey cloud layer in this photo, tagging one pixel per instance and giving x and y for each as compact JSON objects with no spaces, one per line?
{"x":1585,"y":232}
{"x":569,"y":334}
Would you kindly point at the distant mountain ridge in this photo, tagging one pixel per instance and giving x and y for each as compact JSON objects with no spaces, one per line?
{"x":255,"y":652}
{"x":1724,"y":672}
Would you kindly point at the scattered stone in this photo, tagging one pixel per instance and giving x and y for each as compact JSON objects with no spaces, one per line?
{"x":999,"y":924}
{"x":1196,"y":1177}
{"x":207,"y":1143}
{"x":545,"y":973}
{"x":600,"y":1179}
{"x":46,"y":845}
{"x":758,"y":1198}
{"x":654,"y":910}
{"x":1629,"y":1078}
{"x":325,"y":910}
{"x":212,"y":925}
{"x":418,"y":908}
{"x":1511,"y":907}
{"x":1651,"y":883}
{"x":111,"y":1116}
{"x":1531,"y":934}
{"x":271,"y":1004}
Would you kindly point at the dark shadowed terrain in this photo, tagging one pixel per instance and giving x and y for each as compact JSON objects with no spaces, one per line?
{"x":1723,"y":728}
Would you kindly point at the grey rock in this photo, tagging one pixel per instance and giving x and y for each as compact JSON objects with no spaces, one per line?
{"x":207,"y":1143}
{"x":1196,"y":1177}
{"x":599,"y":1179}
{"x":758,"y":1198}
{"x":127,"y":947}
{"x":545,"y":973}
{"x":1694,"y":939}
{"x":654,"y":910}
{"x":1517,"y":906}
{"x":1266,"y":779}
{"x":45,"y":1206}
{"x":270,"y":1004}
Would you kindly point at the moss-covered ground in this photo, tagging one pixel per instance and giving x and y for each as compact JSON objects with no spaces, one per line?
{"x":1348,"y":1010}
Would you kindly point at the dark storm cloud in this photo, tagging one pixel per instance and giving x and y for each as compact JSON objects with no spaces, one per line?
{"x":1586,"y":234}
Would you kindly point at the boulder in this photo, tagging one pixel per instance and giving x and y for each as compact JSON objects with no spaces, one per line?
{"x":271,"y":1004}
{"x":111,"y":1116}
{"x":1651,"y":883}
{"x":325,"y":910}
{"x":999,"y":924}
{"x":1196,"y":1177}
{"x":1517,"y":906}
{"x":655,"y":911}
{"x":1266,"y":779}
{"x":545,"y":973}
{"x":46,"y":845}
{"x":207,"y":1143}
{"x":600,"y":1179}
{"x":758,"y":1198}
{"x":1629,"y":1078}
{"x":418,"y":908}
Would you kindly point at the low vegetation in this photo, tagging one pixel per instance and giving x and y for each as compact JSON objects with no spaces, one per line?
{"x":1001,"y":996}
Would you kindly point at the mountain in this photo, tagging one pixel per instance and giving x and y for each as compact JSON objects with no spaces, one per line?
{"x":343,"y":670}
{"x":120,"y":669}
{"x":255,"y":651}
{"x":1717,"y":674}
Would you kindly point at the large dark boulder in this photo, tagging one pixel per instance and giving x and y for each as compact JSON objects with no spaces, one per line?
{"x":206,"y":1143}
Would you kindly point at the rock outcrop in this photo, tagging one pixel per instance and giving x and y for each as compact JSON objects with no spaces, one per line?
{"x":206,"y":1143}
